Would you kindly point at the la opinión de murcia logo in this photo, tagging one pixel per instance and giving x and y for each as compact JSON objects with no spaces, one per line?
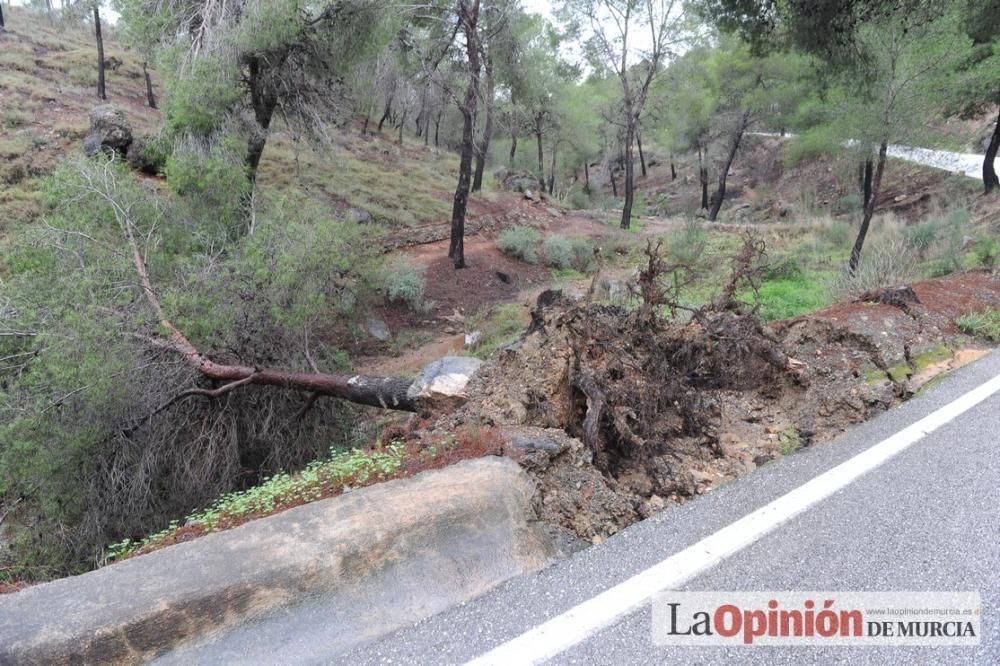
{"x":816,"y":618}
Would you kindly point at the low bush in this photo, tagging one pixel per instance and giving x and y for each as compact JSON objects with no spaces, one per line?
{"x":558,"y":252}
{"x":889,"y":262}
{"x":783,"y":268}
{"x":520,"y":242}
{"x":405,"y":282}
{"x":582,"y":253}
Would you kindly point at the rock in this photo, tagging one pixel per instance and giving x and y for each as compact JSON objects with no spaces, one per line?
{"x":529,"y":195}
{"x":376,"y":559}
{"x":901,"y":197}
{"x":109,"y":130}
{"x":652,"y":506}
{"x":473,"y":339}
{"x":442,"y":383}
{"x":529,"y":439}
{"x":359,"y":216}
{"x":378,"y":329}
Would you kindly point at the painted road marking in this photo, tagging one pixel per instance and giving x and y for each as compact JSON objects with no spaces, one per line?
{"x":578,"y":623}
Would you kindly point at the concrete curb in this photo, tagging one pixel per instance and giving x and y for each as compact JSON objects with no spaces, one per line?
{"x":371,"y":560}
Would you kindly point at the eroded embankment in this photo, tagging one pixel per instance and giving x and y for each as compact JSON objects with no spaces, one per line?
{"x":619,"y":414}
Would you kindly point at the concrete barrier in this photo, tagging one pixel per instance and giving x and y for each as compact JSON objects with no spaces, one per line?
{"x":318,"y":579}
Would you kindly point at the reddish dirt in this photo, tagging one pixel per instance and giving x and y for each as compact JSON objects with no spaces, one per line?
{"x":948,"y":297}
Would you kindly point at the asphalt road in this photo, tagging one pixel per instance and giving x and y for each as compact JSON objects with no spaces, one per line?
{"x":927,"y":519}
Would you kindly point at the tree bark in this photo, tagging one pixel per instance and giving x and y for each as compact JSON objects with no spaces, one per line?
{"x":869,"y":209}
{"x":150,"y":97}
{"x":101,"y":92}
{"x":385,"y":114}
{"x":552,"y":168}
{"x":484,"y":144}
{"x":867,"y":172}
{"x":703,"y":178}
{"x":642,"y":155}
{"x":990,"y":180}
{"x":541,"y":152}
{"x":469,"y":15}
{"x":734,"y":147}
{"x":264,"y":101}
{"x":629,"y":171}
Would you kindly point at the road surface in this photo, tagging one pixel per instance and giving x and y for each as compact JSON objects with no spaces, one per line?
{"x":927,"y":518}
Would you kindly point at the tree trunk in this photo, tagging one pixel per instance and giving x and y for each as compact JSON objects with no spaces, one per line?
{"x":1,"y":18}
{"x":469,"y":15}
{"x":364,"y":128}
{"x":101,"y":92}
{"x":552,"y":168}
{"x":720,"y":193}
{"x":673,"y":170}
{"x":264,"y":101}
{"x":866,"y":183}
{"x":586,"y":176}
{"x":703,"y":179}
{"x":642,"y":155}
{"x":990,"y":181}
{"x":513,"y":149}
{"x":484,"y":144}
{"x":437,"y":129}
{"x":869,"y":208}
{"x":629,"y":171}
{"x":611,"y":176}
{"x":541,"y":152}
{"x":385,"y":115}
{"x":150,"y":97}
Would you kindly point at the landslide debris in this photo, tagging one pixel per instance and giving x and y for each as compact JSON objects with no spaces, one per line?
{"x":618,"y":413}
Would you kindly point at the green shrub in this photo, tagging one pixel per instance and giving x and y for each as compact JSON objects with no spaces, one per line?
{"x":405,"y":282}
{"x":520,"y":242}
{"x":583,"y":253}
{"x":985,"y":252}
{"x":14,"y":118}
{"x":558,"y":252}
{"x":812,"y":143}
{"x":985,"y":324}
{"x":579,"y":200}
{"x":783,"y":268}
{"x":921,"y":237}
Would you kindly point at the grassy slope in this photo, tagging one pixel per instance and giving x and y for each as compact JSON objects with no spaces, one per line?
{"x":48,"y":84}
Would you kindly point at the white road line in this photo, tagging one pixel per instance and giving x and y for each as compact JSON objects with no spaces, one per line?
{"x":564,"y":631}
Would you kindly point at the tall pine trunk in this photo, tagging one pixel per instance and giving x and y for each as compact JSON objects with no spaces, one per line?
{"x":101,"y":92}
{"x":469,"y":15}
{"x":990,"y":181}
{"x":484,"y":144}
{"x":150,"y":97}
{"x":629,"y":171}
{"x":703,"y":179}
{"x":541,"y":152}
{"x":866,"y":221}
{"x":734,"y":147}
{"x":642,"y":155}
{"x":513,"y":149}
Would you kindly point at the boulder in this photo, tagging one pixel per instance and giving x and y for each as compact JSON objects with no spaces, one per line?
{"x":378,"y":329}
{"x":319,"y":579}
{"x":443,"y":382}
{"x":109,"y":131}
